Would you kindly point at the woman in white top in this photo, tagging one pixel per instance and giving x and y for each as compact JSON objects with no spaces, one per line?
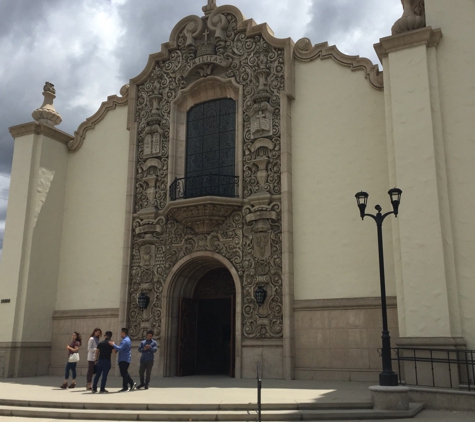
{"x":91,"y":355}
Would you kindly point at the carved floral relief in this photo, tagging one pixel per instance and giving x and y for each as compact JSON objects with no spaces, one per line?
{"x":249,"y":237}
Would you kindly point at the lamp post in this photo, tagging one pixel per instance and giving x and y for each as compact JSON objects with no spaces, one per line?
{"x":388,"y":377}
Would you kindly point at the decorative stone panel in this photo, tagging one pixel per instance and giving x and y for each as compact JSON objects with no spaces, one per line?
{"x":247,"y":231}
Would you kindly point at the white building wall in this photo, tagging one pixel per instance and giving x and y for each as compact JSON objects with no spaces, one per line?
{"x":94,"y":217}
{"x":456,"y":70}
{"x":339,"y":148}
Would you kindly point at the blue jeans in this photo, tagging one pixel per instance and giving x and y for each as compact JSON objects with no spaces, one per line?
{"x":103,"y":367}
{"x":70,"y":366}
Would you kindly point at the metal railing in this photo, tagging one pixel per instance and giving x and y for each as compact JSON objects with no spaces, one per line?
{"x":259,"y":388}
{"x":444,"y":368}
{"x":204,"y":185}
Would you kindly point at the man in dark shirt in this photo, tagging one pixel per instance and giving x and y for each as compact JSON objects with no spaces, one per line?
{"x":103,"y":362}
{"x":147,"y":347}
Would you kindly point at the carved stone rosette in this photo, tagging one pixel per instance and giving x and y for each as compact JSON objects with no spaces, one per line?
{"x":249,"y":236}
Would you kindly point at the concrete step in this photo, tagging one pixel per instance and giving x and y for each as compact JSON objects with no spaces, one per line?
{"x":185,"y":406}
{"x":321,"y":414}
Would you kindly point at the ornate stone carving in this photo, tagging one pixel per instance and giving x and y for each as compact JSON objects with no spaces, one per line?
{"x":263,"y":261}
{"x":202,"y":218}
{"x":208,"y":9}
{"x":413,"y":17}
{"x":261,"y":120}
{"x":250,"y":238}
{"x":46,"y":113}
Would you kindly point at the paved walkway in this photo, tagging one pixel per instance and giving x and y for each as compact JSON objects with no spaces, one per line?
{"x":206,"y":390}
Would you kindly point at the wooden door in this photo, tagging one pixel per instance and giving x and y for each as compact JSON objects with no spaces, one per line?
{"x":232,"y":343}
{"x":187,"y":337}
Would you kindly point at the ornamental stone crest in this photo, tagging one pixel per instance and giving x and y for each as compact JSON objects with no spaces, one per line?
{"x":247,"y":230}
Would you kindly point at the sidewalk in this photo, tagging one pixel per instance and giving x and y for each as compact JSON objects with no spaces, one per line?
{"x":205,"y":390}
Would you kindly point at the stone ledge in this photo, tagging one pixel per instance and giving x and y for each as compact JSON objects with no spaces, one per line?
{"x":424,"y":36}
{"x":40,"y":129}
{"x":23,"y":344}
{"x":390,"y":398}
{"x":344,"y":303}
{"x":432,"y":342}
{"x":86,"y":313}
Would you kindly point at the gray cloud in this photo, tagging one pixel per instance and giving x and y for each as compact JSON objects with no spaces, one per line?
{"x":90,"y":48}
{"x":353,"y":26}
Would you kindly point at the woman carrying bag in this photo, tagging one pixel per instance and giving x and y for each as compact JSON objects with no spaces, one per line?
{"x":73,"y":359}
{"x":91,"y":353}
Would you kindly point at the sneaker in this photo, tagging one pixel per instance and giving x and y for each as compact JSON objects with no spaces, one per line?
{"x":121,"y":391}
{"x":140,"y":386}
{"x":103,"y":391}
{"x":94,"y":390}
{"x":133,"y":386}
{"x":146,"y":387}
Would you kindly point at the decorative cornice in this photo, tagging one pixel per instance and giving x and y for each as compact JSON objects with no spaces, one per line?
{"x":40,"y":129}
{"x":304,"y":51}
{"x":196,"y":26}
{"x":424,"y":36}
{"x":344,"y":303}
{"x":112,"y":102}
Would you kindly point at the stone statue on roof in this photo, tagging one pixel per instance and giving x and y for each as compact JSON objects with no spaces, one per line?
{"x":412,"y":18}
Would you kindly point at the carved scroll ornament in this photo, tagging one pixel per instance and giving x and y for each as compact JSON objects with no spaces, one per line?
{"x":250,"y":238}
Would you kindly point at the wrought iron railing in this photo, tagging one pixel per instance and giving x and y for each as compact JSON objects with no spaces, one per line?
{"x":445,"y":368}
{"x":205,"y":185}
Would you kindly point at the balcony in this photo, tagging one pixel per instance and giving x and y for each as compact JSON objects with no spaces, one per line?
{"x":204,"y":185}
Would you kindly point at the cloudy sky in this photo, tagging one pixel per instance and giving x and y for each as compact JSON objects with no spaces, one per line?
{"x":89,"y":48}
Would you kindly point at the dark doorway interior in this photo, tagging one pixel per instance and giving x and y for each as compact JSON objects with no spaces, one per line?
{"x":213,"y":336}
{"x":207,"y":328}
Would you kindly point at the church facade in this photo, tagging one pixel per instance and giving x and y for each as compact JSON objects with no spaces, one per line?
{"x":213,"y":202}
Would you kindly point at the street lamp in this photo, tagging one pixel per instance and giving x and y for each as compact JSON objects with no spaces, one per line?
{"x":388,"y":377}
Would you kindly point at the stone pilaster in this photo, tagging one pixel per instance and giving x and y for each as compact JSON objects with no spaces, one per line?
{"x":424,"y":256}
{"x":31,"y":249}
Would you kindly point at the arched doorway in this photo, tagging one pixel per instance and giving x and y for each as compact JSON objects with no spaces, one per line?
{"x":192,"y":278}
{"x":206,"y":327}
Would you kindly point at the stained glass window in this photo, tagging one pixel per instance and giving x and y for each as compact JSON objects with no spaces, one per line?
{"x":210,"y":149}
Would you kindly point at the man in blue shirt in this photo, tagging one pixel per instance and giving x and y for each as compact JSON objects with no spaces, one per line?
{"x":125,"y":355}
{"x":148,"y":348}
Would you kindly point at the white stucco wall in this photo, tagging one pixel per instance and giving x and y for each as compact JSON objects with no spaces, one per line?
{"x":338,"y":149}
{"x":15,"y":228}
{"x":46,"y":242}
{"x":29,"y":272}
{"x":94,"y":217}
{"x":456,"y":70}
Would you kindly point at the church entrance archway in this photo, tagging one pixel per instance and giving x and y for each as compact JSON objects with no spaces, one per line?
{"x":201,"y":319}
{"x":206,"y":327}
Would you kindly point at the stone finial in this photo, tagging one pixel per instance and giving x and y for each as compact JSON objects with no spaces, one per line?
{"x":208,"y":9}
{"x":46,"y":113}
{"x":412,"y":18}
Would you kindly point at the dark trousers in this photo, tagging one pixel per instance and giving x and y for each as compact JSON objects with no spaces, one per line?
{"x":70,"y":366}
{"x":126,"y":378}
{"x":103,"y":367}
{"x":90,"y":371}
{"x":145,"y":366}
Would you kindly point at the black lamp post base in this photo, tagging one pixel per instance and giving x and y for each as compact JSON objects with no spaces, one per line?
{"x":388,"y":380}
